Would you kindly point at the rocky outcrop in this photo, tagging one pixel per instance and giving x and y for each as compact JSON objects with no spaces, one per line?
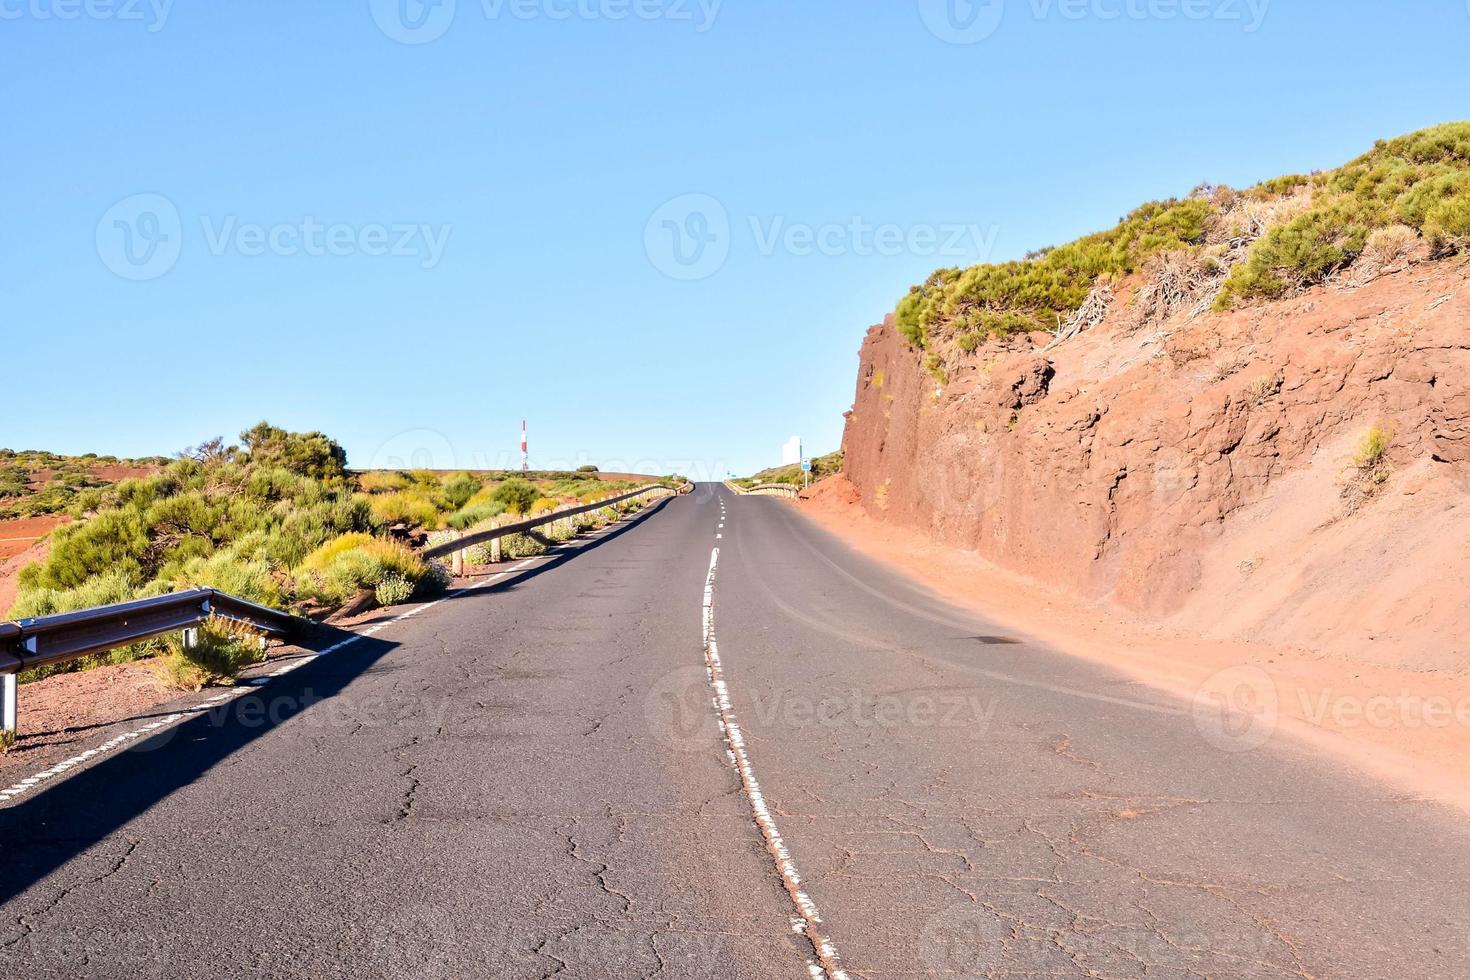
{"x":1203,"y":471}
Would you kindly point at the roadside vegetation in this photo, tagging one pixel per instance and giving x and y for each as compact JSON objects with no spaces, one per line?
{"x":278,"y":520}
{"x":1217,"y":248}
{"x":1370,"y":468}
{"x":822,"y":467}
{"x":221,"y":649}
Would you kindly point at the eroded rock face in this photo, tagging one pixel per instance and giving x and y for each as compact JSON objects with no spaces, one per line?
{"x":1146,"y":467}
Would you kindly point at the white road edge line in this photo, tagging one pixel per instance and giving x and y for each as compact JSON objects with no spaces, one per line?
{"x":117,"y":741}
{"x":808,"y":919}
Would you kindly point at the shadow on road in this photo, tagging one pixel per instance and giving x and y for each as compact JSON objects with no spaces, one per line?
{"x":563,"y":553}
{"x":42,"y":832}
{"x":64,"y":818}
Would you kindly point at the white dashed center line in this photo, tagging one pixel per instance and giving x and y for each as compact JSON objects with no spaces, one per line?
{"x":807,"y":921}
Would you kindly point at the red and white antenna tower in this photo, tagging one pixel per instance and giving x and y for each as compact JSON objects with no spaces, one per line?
{"x":525,"y":451}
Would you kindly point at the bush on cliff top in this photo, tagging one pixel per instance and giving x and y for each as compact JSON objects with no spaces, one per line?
{"x":1420,"y":181}
{"x":1036,"y":294}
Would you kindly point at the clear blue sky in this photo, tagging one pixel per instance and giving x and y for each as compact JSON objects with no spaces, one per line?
{"x":547,"y":148}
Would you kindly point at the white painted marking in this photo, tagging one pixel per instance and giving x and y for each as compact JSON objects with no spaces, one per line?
{"x":827,"y":968}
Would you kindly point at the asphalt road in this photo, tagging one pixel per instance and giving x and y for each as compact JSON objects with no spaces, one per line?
{"x":682,"y":749}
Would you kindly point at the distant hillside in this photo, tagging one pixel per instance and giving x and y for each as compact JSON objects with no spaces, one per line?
{"x":35,"y":483}
{"x":822,"y":466}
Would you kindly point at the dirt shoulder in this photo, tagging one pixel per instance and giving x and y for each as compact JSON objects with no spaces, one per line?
{"x":64,"y":714}
{"x":1411,"y":728}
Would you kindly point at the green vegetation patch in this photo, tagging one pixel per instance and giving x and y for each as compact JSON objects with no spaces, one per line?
{"x":1419,"y":182}
{"x":822,"y":467}
{"x":994,"y":300}
{"x":35,"y":483}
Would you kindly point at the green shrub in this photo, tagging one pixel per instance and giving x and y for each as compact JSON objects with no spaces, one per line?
{"x":306,"y":453}
{"x":340,"y":569}
{"x":473,"y":514}
{"x":1036,"y":294}
{"x":1372,"y":448}
{"x":458,"y":489}
{"x":103,"y":589}
{"x":1370,"y":469}
{"x":405,"y":507}
{"x":222,"y":518}
{"x":231,"y":574}
{"x":14,"y":482}
{"x":221,"y":650}
{"x":1302,"y":252}
{"x":1421,"y":181}
{"x":517,"y":546}
{"x":518,"y":495}
{"x":114,"y":541}
{"x":382,"y":481}
{"x":393,"y":589}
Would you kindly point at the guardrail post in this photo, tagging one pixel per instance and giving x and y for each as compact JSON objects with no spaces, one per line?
{"x":456,"y":563}
{"x":9,"y":698}
{"x":191,"y":637}
{"x":495,"y":552}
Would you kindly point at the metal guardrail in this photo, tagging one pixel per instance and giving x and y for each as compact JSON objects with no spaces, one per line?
{"x":47,"y":640}
{"x":461,"y":544}
{"x":769,"y":489}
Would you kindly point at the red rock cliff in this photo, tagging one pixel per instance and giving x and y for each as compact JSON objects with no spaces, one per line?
{"x":1203,"y":472}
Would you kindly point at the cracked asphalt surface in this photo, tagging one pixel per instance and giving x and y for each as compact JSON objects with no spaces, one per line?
{"x":529,"y":781}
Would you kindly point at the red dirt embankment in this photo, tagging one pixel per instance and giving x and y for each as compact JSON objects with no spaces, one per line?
{"x":19,"y":535}
{"x":1200,"y":473}
{"x":32,"y":547}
